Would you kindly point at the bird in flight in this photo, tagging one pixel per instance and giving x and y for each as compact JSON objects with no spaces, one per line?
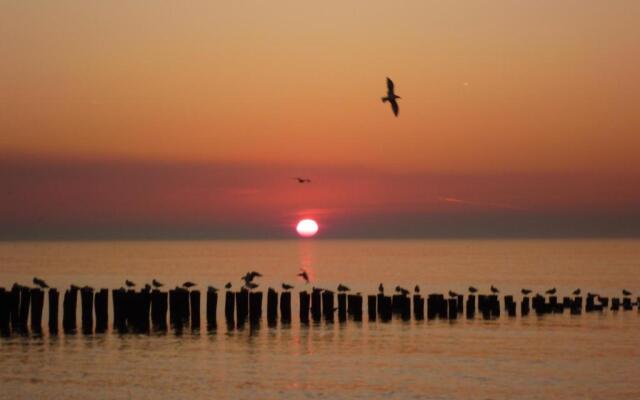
{"x":391,"y":97}
{"x":304,"y":275}
{"x":302,"y":180}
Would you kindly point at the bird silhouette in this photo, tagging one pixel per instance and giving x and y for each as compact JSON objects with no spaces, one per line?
{"x":626,"y":292}
{"x":304,"y":276}
{"x":551,"y":291}
{"x":129,"y":283}
{"x":576,"y":292}
{"x":302,"y":180}
{"x":494,"y":289}
{"x":212,"y":289}
{"x":525,"y":291}
{"x":40,"y":282}
{"x":472,"y":289}
{"x":147,"y":287}
{"x":452,"y":293}
{"x":343,"y":288}
{"x":391,"y":97}
{"x":188,"y":284}
{"x":416,"y":289}
{"x":287,"y":286}
{"x":251,"y":285}
{"x":250,"y":276}
{"x":228,"y":285}
{"x":402,"y":290}
{"x":156,"y":284}
{"x":380,"y":288}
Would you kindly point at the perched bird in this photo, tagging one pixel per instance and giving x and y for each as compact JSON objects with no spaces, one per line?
{"x":380,"y":288}
{"x":472,"y":289}
{"x":87,"y":287}
{"x":228,"y":285}
{"x":316,"y":290}
{"x":129,"y":283}
{"x":452,"y":293}
{"x":576,"y":292}
{"x":304,"y":276}
{"x":402,"y":290}
{"x":40,"y":282}
{"x":302,"y":180}
{"x":525,"y":291}
{"x":626,"y":292}
{"x":251,"y":285}
{"x":551,"y":291}
{"x":156,"y":284}
{"x":286,"y":286}
{"x":391,"y":97}
{"x":343,"y":288}
{"x":494,"y":289}
{"x":188,"y":284}
{"x":76,"y":287}
{"x":147,"y":287}
{"x":416,"y":289}
{"x":212,"y":289}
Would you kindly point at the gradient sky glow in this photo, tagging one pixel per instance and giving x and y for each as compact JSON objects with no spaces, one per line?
{"x":132,"y":119}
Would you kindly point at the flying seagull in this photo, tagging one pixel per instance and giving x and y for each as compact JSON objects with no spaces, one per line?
{"x":40,"y":282}
{"x":302,"y":180}
{"x":304,"y":276}
{"x":391,"y":97}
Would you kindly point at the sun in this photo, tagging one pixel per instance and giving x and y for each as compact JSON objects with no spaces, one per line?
{"x":307,"y":228}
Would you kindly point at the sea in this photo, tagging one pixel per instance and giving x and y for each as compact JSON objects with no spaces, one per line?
{"x":556,"y":356}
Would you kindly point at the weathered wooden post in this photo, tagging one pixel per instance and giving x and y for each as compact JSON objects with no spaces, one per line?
{"x":604,"y":303}
{"x":194,"y":300}
{"x":272,"y":307}
{"x":626,"y":304}
{"x":525,"y":306}
{"x":380,"y":303}
{"x":119,"y":310}
{"x":229,"y":308}
{"x":159,"y":304}
{"x":327,"y":305}
{"x":453,"y":307}
{"x":5,"y":314}
{"x":25,"y":302}
{"x":372,"y":307}
{"x":212,"y":307}
{"x":14,"y":307}
{"x":37,"y":303}
{"x":102,"y":310}
{"x":553,"y":304}
{"x":86,"y":300}
{"x":494,"y":304}
{"x":387,"y":310}
{"x":342,"y":307}
{"x":576,"y":306}
{"x":255,"y":307}
{"x":304,"y":307}
{"x":285,"y":308}
{"x":357,"y":307}
{"x":418,"y":307}
{"x":316,"y":308}
{"x":432,"y":307}
{"x":69,"y":307}
{"x":397,"y":303}
{"x":590,"y":303}
{"x":615,"y":304}
{"x":405,"y":308}
{"x":471,"y":306}
{"x":510,"y":306}
{"x":460,"y":304}
{"x":242,"y":307}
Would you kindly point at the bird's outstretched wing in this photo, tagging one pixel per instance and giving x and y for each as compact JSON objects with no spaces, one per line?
{"x":394,"y":106}
{"x":390,"y":85}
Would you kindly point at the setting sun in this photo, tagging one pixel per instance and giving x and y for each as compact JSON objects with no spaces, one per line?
{"x":307,"y":228}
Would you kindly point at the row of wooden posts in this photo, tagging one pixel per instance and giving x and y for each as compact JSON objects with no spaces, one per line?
{"x":144,"y":310}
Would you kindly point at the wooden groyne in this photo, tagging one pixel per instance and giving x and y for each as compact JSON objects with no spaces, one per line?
{"x":144,"y":311}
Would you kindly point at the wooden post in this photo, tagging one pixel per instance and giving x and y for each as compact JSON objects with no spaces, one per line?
{"x":119,"y":311}
{"x":316,"y":308}
{"x":471,"y":306}
{"x":194,"y":300}
{"x":510,"y":306}
{"x":494,"y":305}
{"x":304,"y":307}
{"x":604,"y":303}
{"x":86,"y":300}
{"x":5,"y":314}
{"x":54,"y":300}
{"x":272,"y":307}
{"x":342,"y":307}
{"x":405,"y":308}
{"x":460,"y":304}
{"x":372,"y":307}
{"x":380,"y":301}
{"x":525,"y":306}
{"x":553,"y":304}
{"x":212,"y":307}
{"x":357,"y":307}
{"x":590,"y":303}
{"x":285,"y":308}
{"x":453,"y":308}
{"x":615,"y":304}
{"x":159,"y":304}
{"x":229,"y":309}
{"x":102,"y":310}
{"x":576,"y":306}
{"x":626,"y":304}
{"x":418,"y":307}
{"x":25,"y":301}
{"x":255,"y":307}
{"x":387,"y":309}
{"x":242,"y":307}
{"x":37,"y":303}
{"x":397,"y":303}
{"x":14,"y":307}
{"x":327,"y":305}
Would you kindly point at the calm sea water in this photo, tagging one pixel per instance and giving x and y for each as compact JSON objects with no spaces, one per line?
{"x":555,"y":356}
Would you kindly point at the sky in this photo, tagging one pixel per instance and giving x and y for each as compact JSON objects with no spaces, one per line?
{"x":165,"y":119}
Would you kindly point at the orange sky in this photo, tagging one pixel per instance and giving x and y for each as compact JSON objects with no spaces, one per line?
{"x":544,"y":91}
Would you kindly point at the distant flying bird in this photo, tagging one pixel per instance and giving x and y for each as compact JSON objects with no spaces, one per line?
{"x":380,"y":288}
{"x":302,"y":180}
{"x":156,"y":284}
{"x":525,"y":291}
{"x":494,"y":289}
{"x":212,"y":289}
{"x":304,"y":276}
{"x":626,"y":292}
{"x":129,"y":283}
{"x":287,"y":286}
{"x":343,"y":288}
{"x":40,"y":282}
{"x":551,"y":291}
{"x":416,"y":289}
{"x":402,"y":290}
{"x":576,"y":292}
{"x":188,"y":284}
{"x":391,"y":97}
{"x":472,"y":289}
